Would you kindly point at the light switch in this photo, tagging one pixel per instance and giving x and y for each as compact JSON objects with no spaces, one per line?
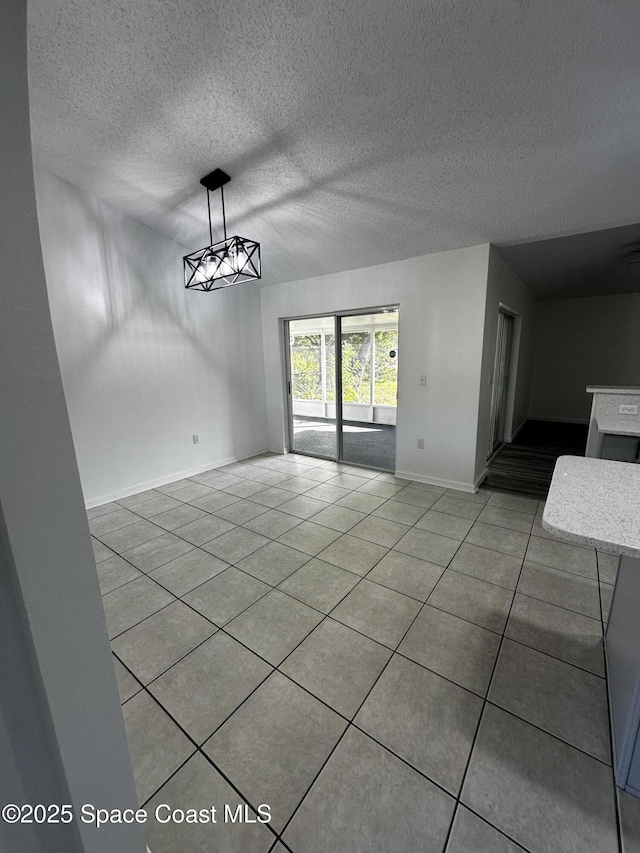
{"x":423,"y":379}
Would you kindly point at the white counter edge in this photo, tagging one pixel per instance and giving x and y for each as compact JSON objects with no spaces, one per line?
{"x":608,"y":520}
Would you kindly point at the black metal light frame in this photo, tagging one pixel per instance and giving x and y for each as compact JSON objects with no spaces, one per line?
{"x":233,"y":260}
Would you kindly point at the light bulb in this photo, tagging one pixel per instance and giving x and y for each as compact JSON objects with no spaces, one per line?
{"x":241,"y":259}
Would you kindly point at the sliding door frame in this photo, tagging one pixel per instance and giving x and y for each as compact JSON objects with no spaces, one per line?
{"x":502,"y":383}
{"x":337,"y":326}
{"x":286,"y":323}
{"x":338,"y":383}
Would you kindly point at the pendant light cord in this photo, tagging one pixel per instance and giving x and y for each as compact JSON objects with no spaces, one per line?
{"x":224,"y":221}
{"x":209,"y":209}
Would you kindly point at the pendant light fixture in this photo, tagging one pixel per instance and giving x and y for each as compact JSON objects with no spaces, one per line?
{"x":230,"y":261}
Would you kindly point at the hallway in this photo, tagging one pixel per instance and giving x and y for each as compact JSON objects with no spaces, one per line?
{"x":525,"y":466}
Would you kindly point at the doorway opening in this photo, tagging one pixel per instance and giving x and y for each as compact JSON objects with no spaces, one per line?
{"x":342,"y":384}
{"x":501,"y":380}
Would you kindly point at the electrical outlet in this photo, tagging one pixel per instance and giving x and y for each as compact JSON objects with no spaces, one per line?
{"x":627,"y":410}
{"x":196,"y":439}
{"x":421,"y":444}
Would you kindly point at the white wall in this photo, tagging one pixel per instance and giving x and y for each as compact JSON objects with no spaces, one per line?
{"x":62,"y":736}
{"x":580,"y":342}
{"x":442,"y":309}
{"x":145,"y":363}
{"x":505,"y":288}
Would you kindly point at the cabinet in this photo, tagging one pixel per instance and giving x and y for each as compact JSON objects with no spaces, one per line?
{"x":614,"y":424}
{"x":596,"y":502}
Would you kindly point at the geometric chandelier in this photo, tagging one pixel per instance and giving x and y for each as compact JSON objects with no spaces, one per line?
{"x":230,"y":261}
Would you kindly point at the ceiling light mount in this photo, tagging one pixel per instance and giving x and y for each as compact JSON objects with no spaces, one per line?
{"x":233,"y":260}
{"x":214,"y":180}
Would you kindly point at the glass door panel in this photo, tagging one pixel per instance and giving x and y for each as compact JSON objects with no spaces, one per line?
{"x":369,"y":367}
{"x":312,"y":386}
{"x":501,"y":373}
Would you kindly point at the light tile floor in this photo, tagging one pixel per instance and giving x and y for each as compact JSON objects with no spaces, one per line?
{"x":389,"y":665}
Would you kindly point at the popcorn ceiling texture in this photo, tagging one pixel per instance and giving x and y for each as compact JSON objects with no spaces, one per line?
{"x":355,"y":133}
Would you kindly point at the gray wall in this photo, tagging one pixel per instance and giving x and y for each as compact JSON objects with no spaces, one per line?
{"x":61,"y":729}
{"x":580,"y":342}
{"x":145,"y":364}
{"x":505,"y":288}
{"x":26,"y":732}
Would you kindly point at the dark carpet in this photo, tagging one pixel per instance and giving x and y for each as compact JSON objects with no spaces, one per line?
{"x":373,"y":445}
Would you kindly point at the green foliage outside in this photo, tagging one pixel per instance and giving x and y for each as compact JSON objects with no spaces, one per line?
{"x":356,"y":367}
{"x":386,"y":368}
{"x":306,"y":367}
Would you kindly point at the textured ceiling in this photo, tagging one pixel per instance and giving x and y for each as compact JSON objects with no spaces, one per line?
{"x":356,"y":131}
{"x":590,"y":264}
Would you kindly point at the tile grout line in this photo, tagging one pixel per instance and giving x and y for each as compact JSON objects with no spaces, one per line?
{"x":503,"y":636}
{"x":173,"y":533}
{"x":197,"y":751}
{"x":232,"y":565}
{"x":616,"y":803}
{"x":488,"y":823}
{"x":482,"y":714}
{"x":253,"y":651}
{"x":351,"y":721}
{"x":187,"y":604}
{"x":274,"y":668}
{"x":194,"y":547}
{"x":393,"y":651}
{"x":317,"y":557}
{"x":547,"y":732}
{"x":349,"y":725}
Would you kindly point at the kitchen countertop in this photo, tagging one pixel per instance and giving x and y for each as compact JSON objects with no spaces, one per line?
{"x":613,"y":389}
{"x":595,"y":502}
{"x":619,"y":425}
{"x":606,"y":410}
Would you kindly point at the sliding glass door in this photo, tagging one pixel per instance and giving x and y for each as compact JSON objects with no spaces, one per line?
{"x":343,"y":398}
{"x":369,"y":387}
{"x":312,"y":388}
{"x":501,"y":376}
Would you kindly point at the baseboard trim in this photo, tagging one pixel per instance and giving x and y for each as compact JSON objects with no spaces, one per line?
{"x":584,"y":421}
{"x":480,"y":478}
{"x":495,"y":452}
{"x":162,"y":481}
{"x":437,"y":481}
{"x":514,"y":434}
